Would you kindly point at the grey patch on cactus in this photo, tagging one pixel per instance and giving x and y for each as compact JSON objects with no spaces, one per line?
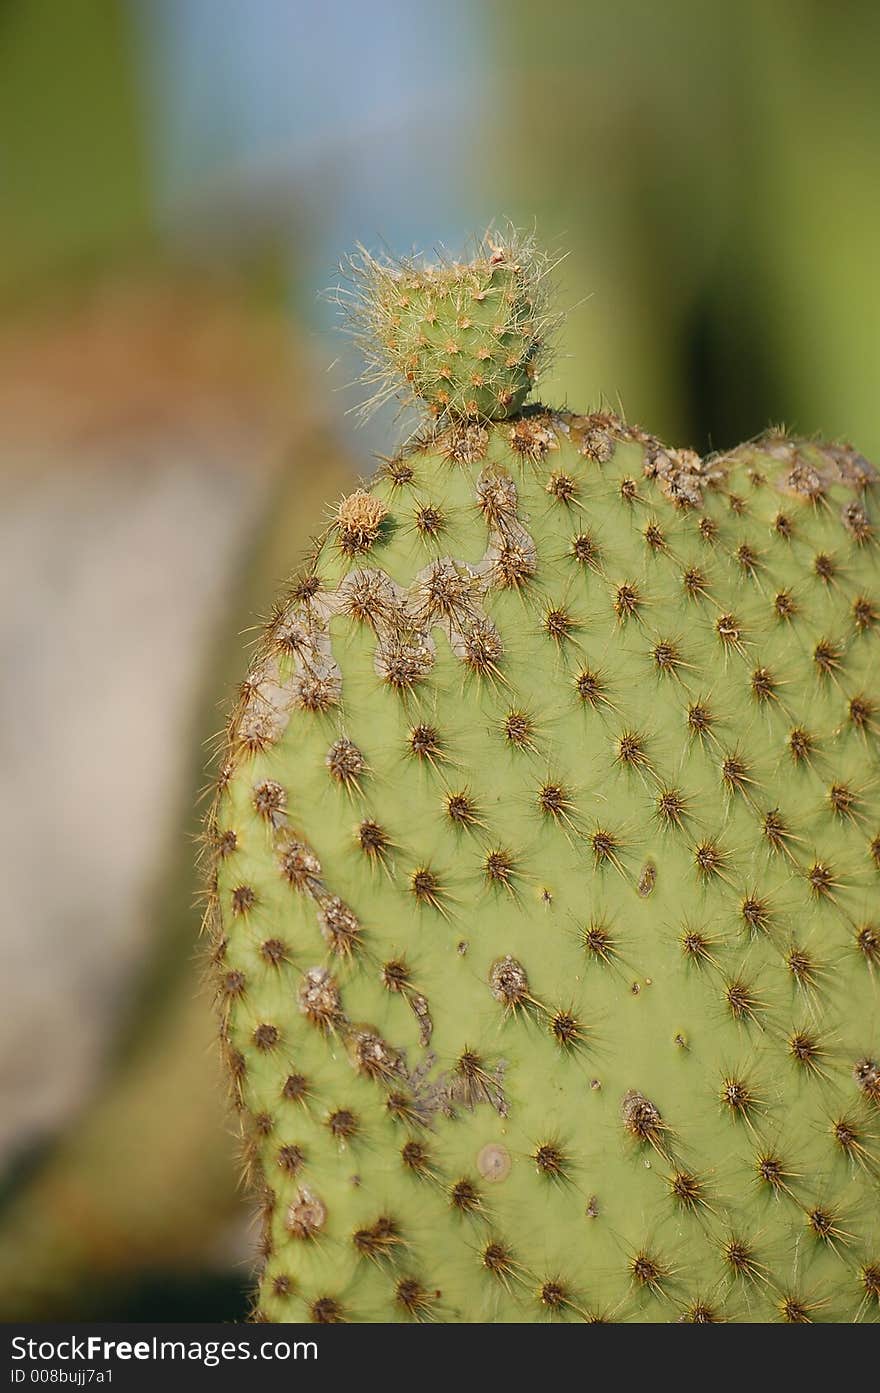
{"x":418,"y":1004}
{"x":319,"y":998}
{"x":446,"y":594}
{"x":812,"y":469}
{"x":494,"y":1162}
{"x":509,"y":982}
{"x":682,"y":475}
{"x":647,"y":879}
{"x":307,"y":1214}
{"x":270,"y":800}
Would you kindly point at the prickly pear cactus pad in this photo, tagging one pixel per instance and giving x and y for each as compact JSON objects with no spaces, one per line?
{"x":545,"y":865}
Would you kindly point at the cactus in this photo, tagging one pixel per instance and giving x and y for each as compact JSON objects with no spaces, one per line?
{"x":544,"y":862}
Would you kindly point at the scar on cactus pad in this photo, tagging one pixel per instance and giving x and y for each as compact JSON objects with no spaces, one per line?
{"x":545,"y":857}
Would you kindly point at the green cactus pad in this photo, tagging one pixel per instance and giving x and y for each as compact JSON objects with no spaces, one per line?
{"x":466,"y":338}
{"x":544,"y":889}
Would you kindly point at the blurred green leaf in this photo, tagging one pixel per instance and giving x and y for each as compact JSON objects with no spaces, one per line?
{"x":75,"y":178}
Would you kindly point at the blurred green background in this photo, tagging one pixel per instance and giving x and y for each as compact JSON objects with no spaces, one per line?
{"x":178,"y":180}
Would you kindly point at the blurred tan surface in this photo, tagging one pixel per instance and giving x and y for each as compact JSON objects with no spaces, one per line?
{"x":140,"y":432}
{"x":163,"y":470}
